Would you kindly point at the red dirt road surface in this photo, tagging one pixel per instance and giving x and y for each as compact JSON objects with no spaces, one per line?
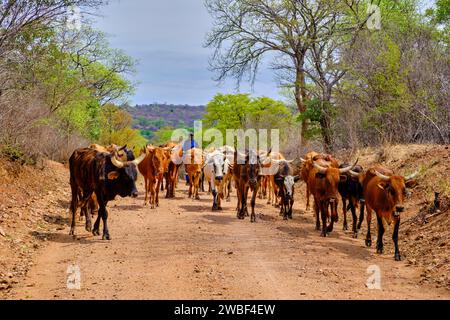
{"x":183,"y":250}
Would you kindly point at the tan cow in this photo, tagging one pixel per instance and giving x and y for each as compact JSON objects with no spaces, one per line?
{"x":193,"y":163}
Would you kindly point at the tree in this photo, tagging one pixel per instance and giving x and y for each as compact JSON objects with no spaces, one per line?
{"x":240,"y":111}
{"x":245,"y":31}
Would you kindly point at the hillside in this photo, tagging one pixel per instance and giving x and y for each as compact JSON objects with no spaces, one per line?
{"x":151,"y":117}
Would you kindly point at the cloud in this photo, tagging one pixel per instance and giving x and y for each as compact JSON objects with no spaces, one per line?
{"x":167,"y":37}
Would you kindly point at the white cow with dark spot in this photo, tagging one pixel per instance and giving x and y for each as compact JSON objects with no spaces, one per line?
{"x":215,"y":169}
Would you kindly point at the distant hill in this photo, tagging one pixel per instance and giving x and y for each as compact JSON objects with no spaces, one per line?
{"x":151,"y":117}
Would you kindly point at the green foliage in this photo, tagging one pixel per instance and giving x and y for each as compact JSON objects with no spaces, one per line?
{"x":240,"y":111}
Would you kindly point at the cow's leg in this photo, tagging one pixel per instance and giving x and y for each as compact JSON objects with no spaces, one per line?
{"x":104,"y":214}
{"x":334,"y":215}
{"x":252,"y":203}
{"x":191,"y":185}
{"x":397,"y":255}
{"x":361,"y":214}
{"x":152,"y":192}
{"x":324,"y":215}
{"x":308,"y":193}
{"x":291,"y":205}
{"x":380,"y":235}
{"x":92,"y":205}
{"x":146,"y":182}
{"x":96,"y":230}
{"x":245,"y":203}
{"x":369,"y":221}
{"x":269,"y":191}
{"x":196,"y":186}
{"x":73,"y":209}
{"x":355,"y":219}
{"x":316,"y":211}
{"x":344,"y":211}
{"x":215,"y":206}
{"x":159,"y":182}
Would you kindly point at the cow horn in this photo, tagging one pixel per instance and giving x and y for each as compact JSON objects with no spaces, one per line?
{"x":411,"y":176}
{"x":290,"y":161}
{"x":139,"y":160}
{"x":302,"y":160}
{"x":321,"y":169}
{"x":119,"y":164}
{"x":381,"y":176}
{"x":355,"y":174}
{"x":345,"y":170}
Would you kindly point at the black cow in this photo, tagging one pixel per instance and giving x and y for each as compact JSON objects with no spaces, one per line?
{"x":285,"y":183}
{"x":351,"y":190}
{"x":105,"y":176}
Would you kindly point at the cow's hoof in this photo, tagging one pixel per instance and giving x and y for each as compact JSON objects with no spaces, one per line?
{"x":318,"y":227}
{"x":355,"y":235}
{"x":72,"y":232}
{"x":197,"y":198}
{"x":368,"y":243}
{"x":106,"y":237}
{"x":88,"y":228}
{"x":345,"y":228}
{"x":285,"y":218}
{"x":323,"y":234}
{"x":398,"y":257}
{"x":380,"y":250}
{"x":220,"y":208}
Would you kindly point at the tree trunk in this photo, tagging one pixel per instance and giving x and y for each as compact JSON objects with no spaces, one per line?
{"x":325,"y":124}
{"x":300,"y":98}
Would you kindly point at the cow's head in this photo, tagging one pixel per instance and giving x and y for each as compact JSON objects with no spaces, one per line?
{"x":123,"y":175}
{"x":252,"y":166}
{"x":394,"y":188}
{"x":289,"y":182}
{"x":159,"y":158}
{"x":219,"y":163}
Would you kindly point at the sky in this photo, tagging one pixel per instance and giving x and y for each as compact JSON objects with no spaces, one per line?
{"x":167,"y":37}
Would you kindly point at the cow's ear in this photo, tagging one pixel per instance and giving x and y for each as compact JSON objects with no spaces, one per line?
{"x":113,"y":175}
{"x":296,"y":179}
{"x":411,"y":183}
{"x":320,"y":175}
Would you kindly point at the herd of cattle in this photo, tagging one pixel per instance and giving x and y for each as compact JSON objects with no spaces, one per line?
{"x":98,"y":174}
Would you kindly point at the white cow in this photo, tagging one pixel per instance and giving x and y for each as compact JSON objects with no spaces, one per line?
{"x":215,"y":169}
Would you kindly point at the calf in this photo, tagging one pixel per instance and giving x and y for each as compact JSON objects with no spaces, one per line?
{"x":106,"y":176}
{"x":385,"y":195}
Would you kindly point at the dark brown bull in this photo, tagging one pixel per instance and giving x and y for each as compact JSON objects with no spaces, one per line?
{"x":246,"y":169}
{"x":385,"y":193}
{"x":106,"y":176}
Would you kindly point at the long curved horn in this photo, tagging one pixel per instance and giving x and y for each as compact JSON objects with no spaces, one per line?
{"x":381,"y":176}
{"x":355,"y":174}
{"x":345,"y":170}
{"x":117,"y":163}
{"x":139,"y":160}
{"x":412,"y":176}
{"x":321,"y":169}
{"x":289,"y":161}
{"x":302,"y":160}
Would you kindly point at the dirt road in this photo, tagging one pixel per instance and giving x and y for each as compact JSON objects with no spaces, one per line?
{"x":182,"y":250}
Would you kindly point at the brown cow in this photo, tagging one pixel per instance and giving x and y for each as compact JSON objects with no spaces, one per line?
{"x":172,"y":173}
{"x":123,"y":154}
{"x":193,"y":164}
{"x":153,"y":168}
{"x":106,"y":176}
{"x":323,"y":183}
{"x":307,"y":165}
{"x":385,"y":194}
{"x":246,"y":169}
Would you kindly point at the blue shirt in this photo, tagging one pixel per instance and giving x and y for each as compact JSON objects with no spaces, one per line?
{"x":189,"y":144}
